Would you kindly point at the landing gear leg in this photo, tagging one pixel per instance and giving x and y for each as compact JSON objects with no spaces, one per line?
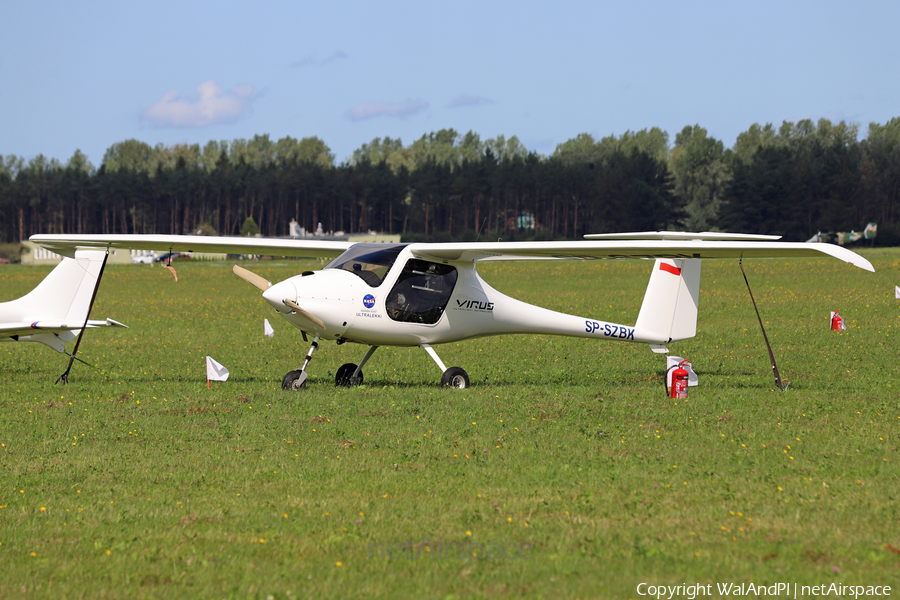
{"x":452,"y":377}
{"x":296,"y":380}
{"x":351,"y":374}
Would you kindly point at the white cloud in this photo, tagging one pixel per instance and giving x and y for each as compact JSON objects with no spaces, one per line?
{"x":212,"y":106}
{"x":466,"y":100}
{"x":367,"y":110}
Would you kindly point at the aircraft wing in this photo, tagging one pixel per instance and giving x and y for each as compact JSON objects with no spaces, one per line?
{"x":642,"y":248}
{"x":66,"y":244}
{"x":51,"y":326}
{"x":733,"y":246}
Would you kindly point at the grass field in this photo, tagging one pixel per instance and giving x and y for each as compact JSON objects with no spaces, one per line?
{"x":563,"y":472}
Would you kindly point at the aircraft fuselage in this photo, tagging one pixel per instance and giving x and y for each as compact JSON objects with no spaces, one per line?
{"x":418,"y":301}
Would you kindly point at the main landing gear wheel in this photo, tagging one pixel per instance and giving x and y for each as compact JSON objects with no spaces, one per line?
{"x":344,"y":376}
{"x":455,"y":377}
{"x":293,"y":381}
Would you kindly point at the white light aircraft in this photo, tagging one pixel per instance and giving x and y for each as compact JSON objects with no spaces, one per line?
{"x":426,"y":294}
{"x":57,"y":310}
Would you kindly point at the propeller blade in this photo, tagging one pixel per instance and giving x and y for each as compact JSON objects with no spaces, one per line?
{"x":304,"y":313}
{"x":252,"y":278}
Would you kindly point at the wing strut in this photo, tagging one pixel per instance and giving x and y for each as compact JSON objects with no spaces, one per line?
{"x":781,"y":384}
{"x":64,"y":378}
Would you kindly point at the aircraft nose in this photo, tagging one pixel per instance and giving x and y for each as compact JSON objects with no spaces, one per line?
{"x":276,"y":294}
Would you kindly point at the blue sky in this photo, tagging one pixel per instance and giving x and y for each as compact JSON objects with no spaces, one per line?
{"x":85,"y":75}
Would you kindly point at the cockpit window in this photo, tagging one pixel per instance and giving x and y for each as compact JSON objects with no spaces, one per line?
{"x":421,"y":292}
{"x":369,"y":262}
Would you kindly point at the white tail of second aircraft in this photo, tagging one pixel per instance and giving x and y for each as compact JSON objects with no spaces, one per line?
{"x":671,"y":302}
{"x":55,"y":311}
{"x":65,"y":294}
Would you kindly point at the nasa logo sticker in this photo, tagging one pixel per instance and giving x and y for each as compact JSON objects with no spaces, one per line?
{"x":368,"y":300}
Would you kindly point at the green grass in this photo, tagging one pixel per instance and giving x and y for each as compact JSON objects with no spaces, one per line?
{"x":565,"y":454}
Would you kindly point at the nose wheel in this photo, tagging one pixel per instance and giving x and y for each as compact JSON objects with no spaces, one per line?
{"x":296,"y":380}
{"x":455,"y":377}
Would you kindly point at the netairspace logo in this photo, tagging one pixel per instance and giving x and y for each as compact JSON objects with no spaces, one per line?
{"x":783,"y":590}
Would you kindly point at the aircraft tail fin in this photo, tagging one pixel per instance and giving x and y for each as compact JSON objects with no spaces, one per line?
{"x":65,"y":294}
{"x":669,"y":310}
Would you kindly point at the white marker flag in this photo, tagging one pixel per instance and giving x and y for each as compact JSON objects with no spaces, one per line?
{"x":268,"y":328}
{"x":215,"y":371}
{"x":672,"y":361}
{"x":897,"y":292}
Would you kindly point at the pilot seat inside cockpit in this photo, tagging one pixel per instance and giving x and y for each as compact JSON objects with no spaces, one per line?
{"x":421,"y":293}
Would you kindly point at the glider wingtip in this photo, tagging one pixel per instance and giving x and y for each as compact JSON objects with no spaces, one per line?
{"x":858,"y":261}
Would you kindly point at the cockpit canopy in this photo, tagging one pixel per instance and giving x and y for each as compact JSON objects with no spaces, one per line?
{"x":368,"y":261}
{"x":422,"y":290}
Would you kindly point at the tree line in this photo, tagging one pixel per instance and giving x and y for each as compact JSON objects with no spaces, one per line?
{"x":793,"y":180}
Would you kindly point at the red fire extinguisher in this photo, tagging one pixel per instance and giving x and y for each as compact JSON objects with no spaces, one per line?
{"x":679,"y":388}
{"x":837,"y":322}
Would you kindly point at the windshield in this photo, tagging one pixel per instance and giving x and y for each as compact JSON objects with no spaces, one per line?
{"x":368,"y":261}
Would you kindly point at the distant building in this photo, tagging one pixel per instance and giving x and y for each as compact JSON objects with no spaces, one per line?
{"x":297,"y":232}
